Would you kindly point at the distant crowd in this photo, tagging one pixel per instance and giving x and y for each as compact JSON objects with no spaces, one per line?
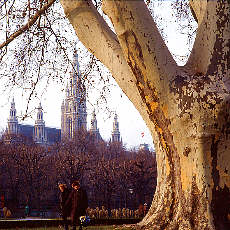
{"x":95,"y":213}
{"x":121,"y":213}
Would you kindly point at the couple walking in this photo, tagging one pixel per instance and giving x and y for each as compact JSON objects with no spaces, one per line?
{"x":73,"y":203}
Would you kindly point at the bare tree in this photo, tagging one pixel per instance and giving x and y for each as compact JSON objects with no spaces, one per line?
{"x":36,"y":50}
{"x":72,"y":157}
{"x":11,"y":177}
{"x":186,"y":108}
{"x":143,"y":175}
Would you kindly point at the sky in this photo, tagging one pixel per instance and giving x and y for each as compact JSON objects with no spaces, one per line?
{"x":131,"y":124}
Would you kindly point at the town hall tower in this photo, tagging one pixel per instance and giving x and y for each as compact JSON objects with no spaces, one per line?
{"x":73,"y":109}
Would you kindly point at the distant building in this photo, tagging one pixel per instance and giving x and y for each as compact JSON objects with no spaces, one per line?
{"x":116,"y":137}
{"x":144,"y":147}
{"x":73,"y":109}
{"x":73,"y":117}
{"x":37,"y":133}
{"x":93,"y":129}
{"x":12,"y":124}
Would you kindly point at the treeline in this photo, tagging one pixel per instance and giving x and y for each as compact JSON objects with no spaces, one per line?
{"x":113,"y":176}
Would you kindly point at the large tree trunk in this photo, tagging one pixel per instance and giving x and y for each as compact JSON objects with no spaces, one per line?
{"x":186,"y":108}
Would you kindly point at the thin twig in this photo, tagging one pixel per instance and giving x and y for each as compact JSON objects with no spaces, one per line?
{"x":28,"y":24}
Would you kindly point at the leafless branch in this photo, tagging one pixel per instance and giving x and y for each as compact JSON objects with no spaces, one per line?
{"x":28,"y":24}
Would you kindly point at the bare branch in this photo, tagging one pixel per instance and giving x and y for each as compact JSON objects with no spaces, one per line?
{"x":135,"y":26}
{"x":212,"y":16}
{"x":28,"y":24}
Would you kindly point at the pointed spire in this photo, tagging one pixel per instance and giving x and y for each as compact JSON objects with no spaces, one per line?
{"x":76,"y":70}
{"x":93,"y":129}
{"x":39,"y":113}
{"x":75,"y":102}
{"x":115,"y":123}
{"x":76,"y":62}
{"x":13,"y":104}
{"x":93,"y":122}
{"x":12,"y":120}
{"x":94,"y":114}
{"x":63,"y":103}
{"x":39,"y":127}
{"x":12,"y":109}
{"x":115,"y":132}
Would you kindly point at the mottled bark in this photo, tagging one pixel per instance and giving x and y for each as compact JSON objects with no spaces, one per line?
{"x":186,"y":108}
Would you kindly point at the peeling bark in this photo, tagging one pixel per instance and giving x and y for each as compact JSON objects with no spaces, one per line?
{"x":186,"y":108}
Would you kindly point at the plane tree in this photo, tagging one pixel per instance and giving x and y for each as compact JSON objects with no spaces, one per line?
{"x":185,"y":107}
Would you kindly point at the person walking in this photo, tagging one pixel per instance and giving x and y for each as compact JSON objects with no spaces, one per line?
{"x":6,"y":212}
{"x":145,"y":208}
{"x":65,"y":210}
{"x":79,"y":203}
{"x":27,"y":210}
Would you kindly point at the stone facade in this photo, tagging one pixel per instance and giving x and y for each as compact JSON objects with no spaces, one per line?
{"x":73,"y":116}
{"x":73,"y":109}
{"x":116,"y":137}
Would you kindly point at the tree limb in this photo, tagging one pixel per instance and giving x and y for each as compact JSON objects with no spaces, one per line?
{"x":198,"y":8}
{"x":140,"y":39}
{"x":213,"y":35}
{"x":28,"y":24}
{"x":99,"y":39}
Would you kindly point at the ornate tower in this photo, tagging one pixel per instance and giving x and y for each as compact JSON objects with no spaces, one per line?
{"x":116,"y":132}
{"x":73,"y":108}
{"x":39,"y":127}
{"x":12,"y":120}
{"x":93,"y":129}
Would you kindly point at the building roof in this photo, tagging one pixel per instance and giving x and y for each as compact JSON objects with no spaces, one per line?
{"x":53,"y":135}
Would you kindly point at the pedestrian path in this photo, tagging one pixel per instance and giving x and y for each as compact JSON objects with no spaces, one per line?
{"x":27,"y":218}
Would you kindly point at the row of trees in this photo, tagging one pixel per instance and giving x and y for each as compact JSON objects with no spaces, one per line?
{"x":113,"y":176}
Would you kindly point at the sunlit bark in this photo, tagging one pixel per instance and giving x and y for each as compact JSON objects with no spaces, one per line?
{"x":186,"y":108}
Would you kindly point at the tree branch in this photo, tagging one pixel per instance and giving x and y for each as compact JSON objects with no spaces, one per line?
{"x":198,"y":8}
{"x":99,"y":39}
{"x":140,"y":39}
{"x":28,"y":24}
{"x":213,"y":36}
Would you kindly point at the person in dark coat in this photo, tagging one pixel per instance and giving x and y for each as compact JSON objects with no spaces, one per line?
{"x":79,"y":203}
{"x":65,"y":210}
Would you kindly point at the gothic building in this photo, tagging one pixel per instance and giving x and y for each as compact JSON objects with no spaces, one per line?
{"x":12,"y":126}
{"x":73,"y":117}
{"x":116,"y":132}
{"x":73,"y":109}
{"x":93,"y":129}
{"x":37,"y":133}
{"x":39,"y":127}
{"x":41,"y":134}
